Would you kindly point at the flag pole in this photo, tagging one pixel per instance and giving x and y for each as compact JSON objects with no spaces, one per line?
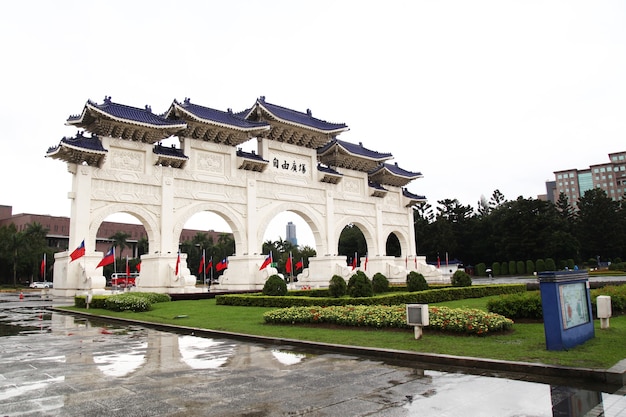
{"x":211,"y":275}
{"x":114,"y":261}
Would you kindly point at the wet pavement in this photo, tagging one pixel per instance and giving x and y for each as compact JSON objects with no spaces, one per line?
{"x":55,"y":364}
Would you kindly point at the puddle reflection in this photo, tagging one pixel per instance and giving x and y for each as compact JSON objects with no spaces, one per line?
{"x":60,"y":350}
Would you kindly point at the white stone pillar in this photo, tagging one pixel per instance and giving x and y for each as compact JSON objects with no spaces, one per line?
{"x":250,"y":244}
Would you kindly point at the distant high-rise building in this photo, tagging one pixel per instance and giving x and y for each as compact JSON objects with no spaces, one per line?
{"x":291,"y":234}
{"x":610,"y":176}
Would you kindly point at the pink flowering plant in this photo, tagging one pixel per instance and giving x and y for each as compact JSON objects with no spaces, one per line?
{"x":467,"y":321}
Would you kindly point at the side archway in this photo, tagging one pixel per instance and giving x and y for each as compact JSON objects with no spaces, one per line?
{"x":146,"y":218}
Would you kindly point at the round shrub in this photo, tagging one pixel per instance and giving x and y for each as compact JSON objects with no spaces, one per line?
{"x":416,"y":282}
{"x":360,"y":285}
{"x":461,"y":279}
{"x":380,"y":283}
{"x":337,"y":287}
{"x":275,"y":286}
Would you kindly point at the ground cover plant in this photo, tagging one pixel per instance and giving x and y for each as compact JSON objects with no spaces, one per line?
{"x":525,"y":343}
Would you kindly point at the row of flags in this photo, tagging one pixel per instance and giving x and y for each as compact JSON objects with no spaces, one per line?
{"x":289,"y":267}
{"x":220,"y":266}
{"x":204,"y":266}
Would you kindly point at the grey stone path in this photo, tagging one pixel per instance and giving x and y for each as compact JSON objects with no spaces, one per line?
{"x":52,"y":364}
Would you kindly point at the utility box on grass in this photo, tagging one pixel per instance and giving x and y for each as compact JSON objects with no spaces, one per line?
{"x":417,"y":315}
{"x":566,"y":303}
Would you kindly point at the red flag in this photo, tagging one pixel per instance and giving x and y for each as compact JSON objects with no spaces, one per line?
{"x":267,"y":261}
{"x":42,"y":269}
{"x":127,"y":267}
{"x":300,"y":264}
{"x":138,"y":267}
{"x":210,"y":264}
{"x":288,"y":265}
{"x":354,"y":261}
{"x":201,"y":266}
{"x":438,"y":262}
{"x":78,"y":252}
{"x":108,"y":258}
{"x":223,"y":264}
{"x":366,"y":259}
{"x":177,"y":264}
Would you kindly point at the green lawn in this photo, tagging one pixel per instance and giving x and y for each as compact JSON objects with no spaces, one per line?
{"x":526,"y":343}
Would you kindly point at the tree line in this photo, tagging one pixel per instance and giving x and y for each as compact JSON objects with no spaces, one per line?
{"x":501,"y":230}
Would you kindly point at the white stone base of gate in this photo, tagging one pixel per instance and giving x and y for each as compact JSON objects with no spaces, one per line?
{"x":79,"y":276}
{"x":158,"y":274}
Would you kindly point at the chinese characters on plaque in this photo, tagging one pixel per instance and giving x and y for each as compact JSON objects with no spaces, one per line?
{"x":292,"y":167}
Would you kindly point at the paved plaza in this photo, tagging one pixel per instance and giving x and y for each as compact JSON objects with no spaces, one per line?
{"x":54,"y":364}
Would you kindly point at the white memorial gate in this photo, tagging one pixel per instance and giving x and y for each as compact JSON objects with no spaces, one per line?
{"x":299,"y":166}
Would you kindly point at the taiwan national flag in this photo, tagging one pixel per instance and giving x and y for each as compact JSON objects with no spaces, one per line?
{"x":288,"y":265}
{"x":78,"y":252}
{"x":42,"y":269}
{"x":366,"y":259}
{"x":201,"y":266}
{"x":354,"y":261}
{"x":108,"y":259}
{"x":177,"y":264}
{"x":222,"y":265}
{"x":267,"y":261}
{"x":210,"y":264}
{"x":300,"y":264}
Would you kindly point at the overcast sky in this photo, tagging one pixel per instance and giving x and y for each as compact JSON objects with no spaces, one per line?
{"x":475,"y":95}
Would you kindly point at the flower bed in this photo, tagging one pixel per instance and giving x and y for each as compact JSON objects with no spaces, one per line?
{"x":467,"y":321}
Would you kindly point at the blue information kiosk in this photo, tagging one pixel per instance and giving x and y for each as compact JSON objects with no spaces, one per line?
{"x":566,"y":303}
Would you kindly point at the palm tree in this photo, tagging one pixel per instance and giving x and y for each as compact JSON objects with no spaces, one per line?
{"x":120,"y":242}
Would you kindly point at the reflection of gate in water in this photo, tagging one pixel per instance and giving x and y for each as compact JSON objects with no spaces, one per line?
{"x":299,"y":166}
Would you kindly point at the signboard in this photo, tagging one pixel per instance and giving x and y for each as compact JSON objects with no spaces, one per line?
{"x":574,"y":310}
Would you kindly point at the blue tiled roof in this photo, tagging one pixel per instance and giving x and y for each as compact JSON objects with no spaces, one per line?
{"x":250,"y":155}
{"x":213,"y":115}
{"x":358,"y":150}
{"x":327,"y":170}
{"x":128,"y":113}
{"x":376,"y":186}
{"x":396,"y":170}
{"x":412,"y":196}
{"x":293,"y":116}
{"x":92,"y":143}
{"x":169,"y":151}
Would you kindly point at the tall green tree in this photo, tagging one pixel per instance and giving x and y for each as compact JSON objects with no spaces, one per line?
{"x":600,"y":225}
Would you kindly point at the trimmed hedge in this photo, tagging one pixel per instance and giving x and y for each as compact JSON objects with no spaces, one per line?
{"x":133,"y":301}
{"x":528,"y":305}
{"x":518,"y":306}
{"x":394,"y":298}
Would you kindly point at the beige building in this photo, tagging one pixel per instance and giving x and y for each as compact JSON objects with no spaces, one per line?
{"x":609,"y":176}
